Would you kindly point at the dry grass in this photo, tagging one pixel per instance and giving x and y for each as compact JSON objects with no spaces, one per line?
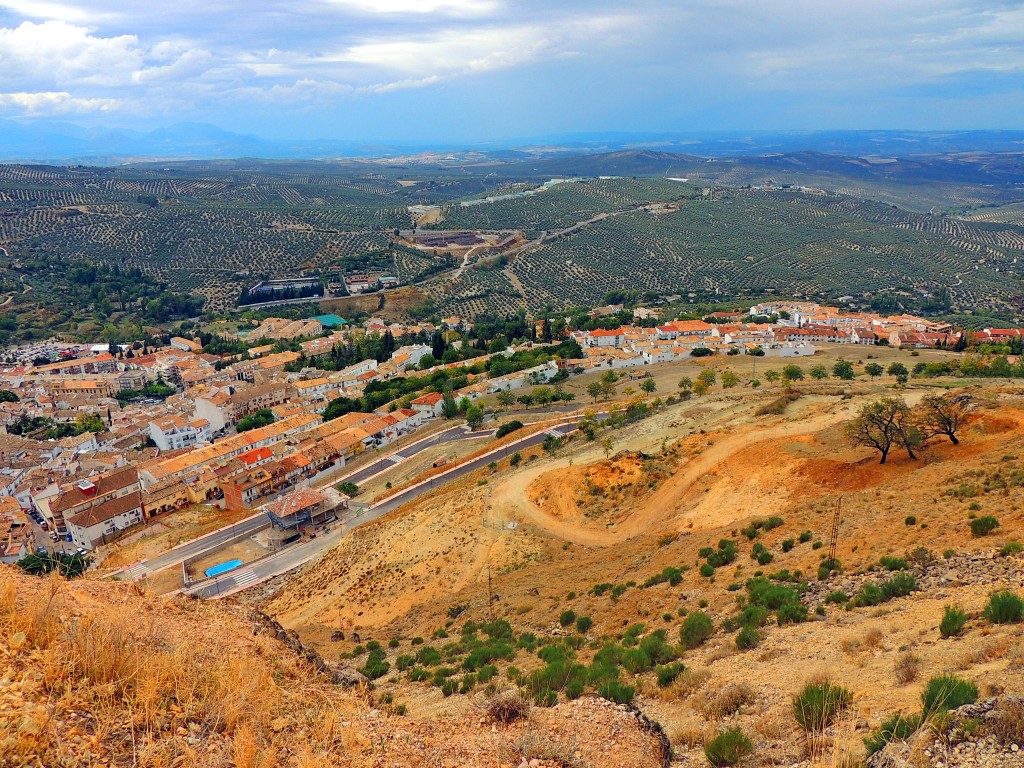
{"x":689,"y":682}
{"x":1007,"y":722}
{"x":724,"y":701}
{"x":506,"y":706}
{"x":691,"y":735}
{"x":129,"y":673}
{"x":906,"y":668}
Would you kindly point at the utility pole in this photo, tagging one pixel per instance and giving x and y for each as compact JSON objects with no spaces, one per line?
{"x":490,"y":596}
{"x":835,"y":534}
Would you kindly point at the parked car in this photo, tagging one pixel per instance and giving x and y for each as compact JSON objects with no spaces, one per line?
{"x":46,"y":526}
{"x":439,"y":463}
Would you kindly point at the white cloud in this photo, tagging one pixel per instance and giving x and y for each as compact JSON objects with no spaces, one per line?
{"x":55,"y":103}
{"x":62,"y":54}
{"x":391,"y":7}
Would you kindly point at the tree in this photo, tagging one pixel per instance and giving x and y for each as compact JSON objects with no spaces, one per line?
{"x":543,"y":396}
{"x":607,"y":445}
{"x":474,"y":416}
{"x":884,"y":425}
{"x":464,"y":403}
{"x":873,"y":370}
{"x":944,"y":415}
{"x":256,"y":420}
{"x":6,"y":396}
{"x":819,"y":372}
{"x":771,"y":375}
{"x":685,"y":384}
{"x":649,"y":386}
{"x":899,"y":370}
{"x":792,"y":372}
{"x":843,"y":369}
{"x":506,"y":399}
{"x":700,"y":387}
{"x":525,"y":400}
{"x":551,"y":444}
{"x":449,"y":408}
{"x":607,"y":388}
{"x":708,"y":376}
{"x":89,"y":422}
{"x":594,"y":390}
{"x":609,"y":377}
{"x":729,"y":379}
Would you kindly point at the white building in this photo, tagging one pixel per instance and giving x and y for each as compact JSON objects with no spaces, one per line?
{"x":172,"y":433}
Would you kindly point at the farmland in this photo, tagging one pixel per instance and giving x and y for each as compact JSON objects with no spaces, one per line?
{"x":212,"y":229}
{"x":751,"y":242}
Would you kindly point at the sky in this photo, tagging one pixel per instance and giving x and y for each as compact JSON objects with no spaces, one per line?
{"x":487,"y":70}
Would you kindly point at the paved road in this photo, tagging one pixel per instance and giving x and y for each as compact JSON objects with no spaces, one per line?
{"x":259,"y":521}
{"x":299,"y":554}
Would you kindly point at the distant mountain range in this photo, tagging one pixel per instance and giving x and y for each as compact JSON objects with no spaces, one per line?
{"x":63,"y":143}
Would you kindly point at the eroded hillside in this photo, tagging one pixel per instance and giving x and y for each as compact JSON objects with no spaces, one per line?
{"x":590,"y":561}
{"x":97,"y":674}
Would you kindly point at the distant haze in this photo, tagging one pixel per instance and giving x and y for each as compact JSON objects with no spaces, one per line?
{"x":360,"y":74}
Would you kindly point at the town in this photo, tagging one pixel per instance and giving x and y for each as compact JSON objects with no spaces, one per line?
{"x":104,"y":439}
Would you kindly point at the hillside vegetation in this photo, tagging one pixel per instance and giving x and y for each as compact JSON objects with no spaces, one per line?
{"x":685,"y":569}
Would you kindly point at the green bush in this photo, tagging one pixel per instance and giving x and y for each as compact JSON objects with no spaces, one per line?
{"x":1004,"y":608}
{"x":910,"y":520}
{"x":983,"y":526}
{"x":667,"y":673}
{"x":870,"y":594}
{"x":728,"y":748}
{"x":900,"y":585}
{"x":618,"y":692}
{"x":894,"y":563}
{"x":772,"y":522}
{"x":707,"y":570}
{"x":947,"y":692}
{"x":788,"y":544}
{"x":748,"y":637}
{"x":376,"y":665}
{"x":953,"y":622}
{"x":791,"y":613}
{"x":567,"y":618}
{"x":896,"y":728}
{"x":1011,"y":548}
{"x":819,"y":704}
{"x":583,"y":624}
{"x":696,"y":629}
{"x":507,"y":428}
{"x":806,"y":536}
{"x":837,"y":597}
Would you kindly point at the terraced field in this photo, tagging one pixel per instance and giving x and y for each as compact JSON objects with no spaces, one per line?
{"x":207,"y":234}
{"x":754,"y":242}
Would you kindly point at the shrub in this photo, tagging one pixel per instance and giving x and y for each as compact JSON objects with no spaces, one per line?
{"x":910,"y":520}
{"x":725,"y":701}
{"x":507,"y":428}
{"x":618,"y":692}
{"x":900,"y":585}
{"x":349,"y":489}
{"x":748,"y":637}
{"x":947,"y":692}
{"x":376,"y":665}
{"x":788,"y":544}
{"x":583,"y":624}
{"x":894,"y":563}
{"x":870,"y":594}
{"x":567,"y":618}
{"x":837,"y":597}
{"x":728,"y":748}
{"x":667,"y":673}
{"x":806,"y":536}
{"x":905,"y":668}
{"x":1011,"y":548}
{"x":772,"y":522}
{"x":895,"y":728}
{"x":1004,"y":608}
{"x":819,"y":704}
{"x":696,"y":629}
{"x":983,"y":526}
{"x":507,"y":706}
{"x":953,"y":621}
{"x":707,"y":570}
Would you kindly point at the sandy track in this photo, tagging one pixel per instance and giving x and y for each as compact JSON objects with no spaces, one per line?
{"x":675,"y":505}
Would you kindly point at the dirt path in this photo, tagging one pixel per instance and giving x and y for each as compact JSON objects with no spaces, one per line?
{"x":666,"y":506}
